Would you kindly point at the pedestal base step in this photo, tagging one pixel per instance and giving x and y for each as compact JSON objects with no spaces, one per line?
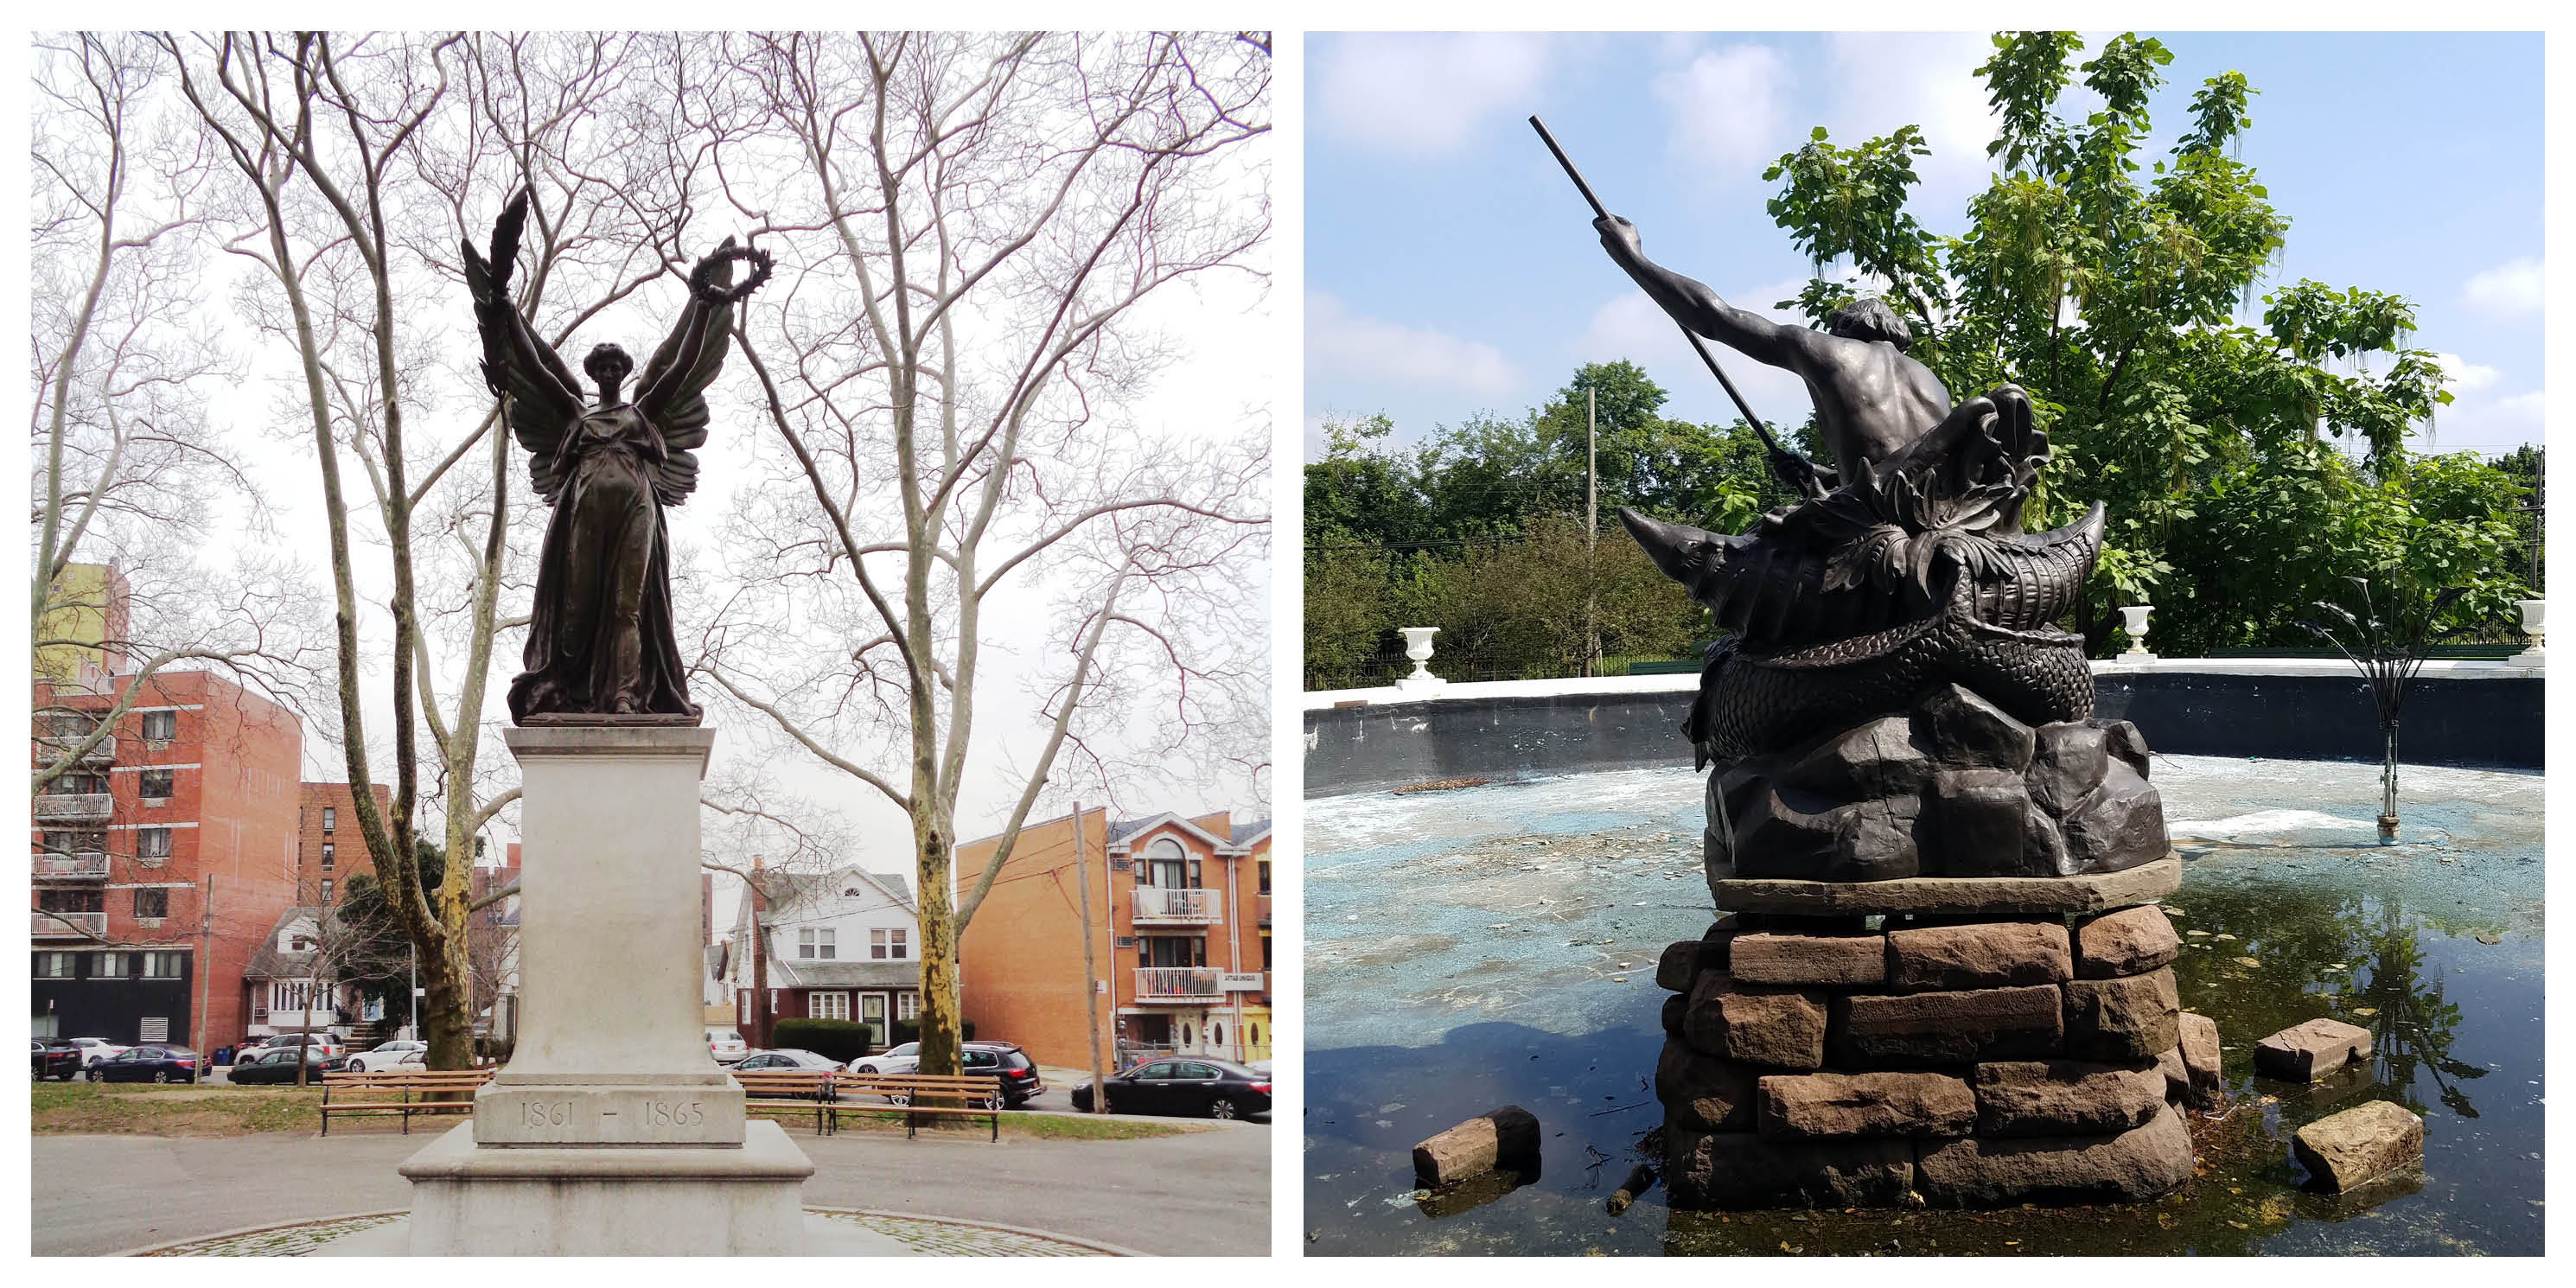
{"x":2016,"y":896}
{"x":608,"y":1201}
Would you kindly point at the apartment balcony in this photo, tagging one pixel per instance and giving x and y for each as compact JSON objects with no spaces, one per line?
{"x":88,"y":865}
{"x":1178,"y":985}
{"x":1160,"y":907}
{"x":52,"y":748}
{"x":77,"y":807}
{"x":70,"y":925}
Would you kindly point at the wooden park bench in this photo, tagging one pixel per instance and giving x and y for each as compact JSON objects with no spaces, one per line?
{"x":926,"y":1093}
{"x":800,"y":1090}
{"x":412,"y":1090}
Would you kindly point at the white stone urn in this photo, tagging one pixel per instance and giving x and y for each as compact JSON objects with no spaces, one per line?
{"x":2535,"y":623}
{"x":2133,"y":618}
{"x":1417,"y":645}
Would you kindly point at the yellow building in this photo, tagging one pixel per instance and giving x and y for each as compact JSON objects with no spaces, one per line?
{"x":82,"y":636}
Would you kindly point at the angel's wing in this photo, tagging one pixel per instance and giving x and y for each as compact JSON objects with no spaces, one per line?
{"x":674,"y":399}
{"x":544,"y":399}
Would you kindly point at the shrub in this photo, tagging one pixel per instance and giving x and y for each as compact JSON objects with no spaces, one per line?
{"x":843,"y":1040}
{"x":910,"y":1031}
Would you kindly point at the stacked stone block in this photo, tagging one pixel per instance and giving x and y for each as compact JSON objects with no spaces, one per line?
{"x":1956,"y":1060}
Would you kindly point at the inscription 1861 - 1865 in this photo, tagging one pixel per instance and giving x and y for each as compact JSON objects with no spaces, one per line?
{"x":657,"y":1113}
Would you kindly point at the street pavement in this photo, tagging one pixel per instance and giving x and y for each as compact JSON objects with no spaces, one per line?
{"x":1204,"y":1193}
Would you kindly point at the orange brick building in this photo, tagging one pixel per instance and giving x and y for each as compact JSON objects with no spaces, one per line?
{"x":192,"y":799}
{"x":1180,"y":914}
{"x":329,"y":847}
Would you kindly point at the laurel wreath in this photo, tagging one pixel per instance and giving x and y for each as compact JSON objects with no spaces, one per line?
{"x":762,"y":265}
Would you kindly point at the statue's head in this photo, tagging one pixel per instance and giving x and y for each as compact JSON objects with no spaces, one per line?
{"x":1869,"y":318}
{"x":609,"y":366}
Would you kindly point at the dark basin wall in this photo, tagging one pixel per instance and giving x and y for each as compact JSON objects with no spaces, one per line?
{"x":2494,"y":723}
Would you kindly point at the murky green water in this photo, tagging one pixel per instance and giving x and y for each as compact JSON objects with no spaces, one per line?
{"x":1496,"y":945}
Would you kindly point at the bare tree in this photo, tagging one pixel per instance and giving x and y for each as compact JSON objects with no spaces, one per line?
{"x":128,"y":471}
{"x":969,"y":231}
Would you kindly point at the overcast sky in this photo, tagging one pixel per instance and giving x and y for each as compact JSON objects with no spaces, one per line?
{"x":1451,"y":269}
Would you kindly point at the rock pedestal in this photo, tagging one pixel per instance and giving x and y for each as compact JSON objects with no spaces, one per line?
{"x":1968,"y":1059}
{"x":610,"y":1131}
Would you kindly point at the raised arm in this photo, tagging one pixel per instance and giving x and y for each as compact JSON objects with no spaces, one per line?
{"x":1695,"y":306}
{"x":672,"y":380}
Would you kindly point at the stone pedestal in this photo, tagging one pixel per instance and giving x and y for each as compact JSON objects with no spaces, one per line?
{"x":610,"y":1131}
{"x":2032,"y":1052}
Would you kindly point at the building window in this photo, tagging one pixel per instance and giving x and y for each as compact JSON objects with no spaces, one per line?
{"x":742,"y":1007}
{"x":151,"y":901}
{"x":326,"y":856}
{"x":53,"y":965}
{"x":326,"y":890}
{"x":1265,"y":952}
{"x":160,"y":726}
{"x":165,"y":965}
{"x":1165,"y":866}
{"x":827,"y":1006}
{"x":107,"y":966}
{"x":817,"y":945}
{"x":1171,"y":950}
{"x":152,"y":1028}
{"x":890,"y":945}
{"x":907,"y":1006}
{"x":152,"y":842}
{"x":78,"y":784}
{"x":330,"y":819}
{"x":1264,"y":865}
{"x":155,"y":784}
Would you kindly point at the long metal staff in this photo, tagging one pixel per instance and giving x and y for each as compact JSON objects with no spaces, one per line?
{"x":1806,"y":479}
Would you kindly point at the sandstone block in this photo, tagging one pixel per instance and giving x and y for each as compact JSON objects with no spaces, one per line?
{"x":1978,"y":822}
{"x":2131,"y":941}
{"x":1987,"y":896}
{"x":1821,"y":1105}
{"x":2067,"y":760}
{"x":1676,"y":1008}
{"x":2345,"y":1150}
{"x":2199,"y":1051}
{"x":1779,"y":1027}
{"x":1982,"y":1172}
{"x":1680,"y":964}
{"x":2307,"y":1052}
{"x":2122,"y":1021}
{"x":1706,"y":1170}
{"x":1917,"y":1029}
{"x":1844,"y":960}
{"x":1965,"y":731}
{"x":1508,"y":1134}
{"x":1704,"y":1092}
{"x":1991,"y":954}
{"x":2177,"y":1076}
{"x":2066,"y":1098}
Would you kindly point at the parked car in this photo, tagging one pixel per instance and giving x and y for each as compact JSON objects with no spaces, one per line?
{"x":788,"y":1058}
{"x":1186,"y":1085}
{"x":1019,"y":1073}
{"x":277,"y":1065}
{"x":331,"y":1042}
{"x":56,"y":1059}
{"x":898,"y":1059}
{"x":152,"y":1064}
{"x":93,"y":1050}
{"x":726,"y":1046}
{"x":399,"y":1053}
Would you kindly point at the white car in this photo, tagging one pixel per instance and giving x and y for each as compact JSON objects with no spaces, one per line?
{"x":899,"y":1059}
{"x":726,"y":1046}
{"x":401,"y":1053}
{"x":94,"y":1050}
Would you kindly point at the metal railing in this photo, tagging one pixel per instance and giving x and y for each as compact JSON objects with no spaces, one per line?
{"x":55,"y":745}
{"x":1178,"y":984}
{"x":75,"y":807}
{"x":70,"y":925}
{"x":1154,"y":904}
{"x":87,"y":865}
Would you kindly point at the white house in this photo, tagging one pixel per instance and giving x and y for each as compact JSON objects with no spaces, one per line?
{"x":288,"y":995}
{"x":842,"y":945}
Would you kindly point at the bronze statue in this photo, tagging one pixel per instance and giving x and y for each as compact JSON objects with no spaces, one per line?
{"x":601,"y":644}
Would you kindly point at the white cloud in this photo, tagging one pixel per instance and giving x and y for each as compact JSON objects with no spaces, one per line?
{"x":1344,"y":345}
{"x":2507,"y":290}
{"x":1425,"y":94}
{"x":2487,"y":424}
{"x":2466,"y":376}
{"x":1883,"y":81}
{"x":1727,"y":108}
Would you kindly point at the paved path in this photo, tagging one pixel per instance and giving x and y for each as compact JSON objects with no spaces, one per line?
{"x":1202,"y":1194}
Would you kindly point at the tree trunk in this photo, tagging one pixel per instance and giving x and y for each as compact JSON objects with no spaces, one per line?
{"x":941,"y":1024}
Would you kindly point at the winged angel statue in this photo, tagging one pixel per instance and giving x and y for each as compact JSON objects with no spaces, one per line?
{"x":601,"y":642}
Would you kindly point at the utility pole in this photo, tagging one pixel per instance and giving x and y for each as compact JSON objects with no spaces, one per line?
{"x":1591,"y":533}
{"x":1090,"y":974}
{"x":205,"y":972}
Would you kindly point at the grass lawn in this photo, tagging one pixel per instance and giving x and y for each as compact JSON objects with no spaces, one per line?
{"x":147,"y":1109}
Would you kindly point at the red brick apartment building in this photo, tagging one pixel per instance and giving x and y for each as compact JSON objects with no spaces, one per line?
{"x":329,"y":847}
{"x":1180,"y":915}
{"x":163,"y":860}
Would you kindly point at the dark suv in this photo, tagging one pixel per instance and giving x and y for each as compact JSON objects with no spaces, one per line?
{"x":57,"y":1060}
{"x":1019,"y":1074}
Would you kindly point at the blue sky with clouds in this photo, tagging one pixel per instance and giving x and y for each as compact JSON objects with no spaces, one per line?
{"x":1451,"y":269}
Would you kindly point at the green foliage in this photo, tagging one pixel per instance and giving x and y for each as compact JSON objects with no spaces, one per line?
{"x":910,"y":1031}
{"x":842,"y":1040}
